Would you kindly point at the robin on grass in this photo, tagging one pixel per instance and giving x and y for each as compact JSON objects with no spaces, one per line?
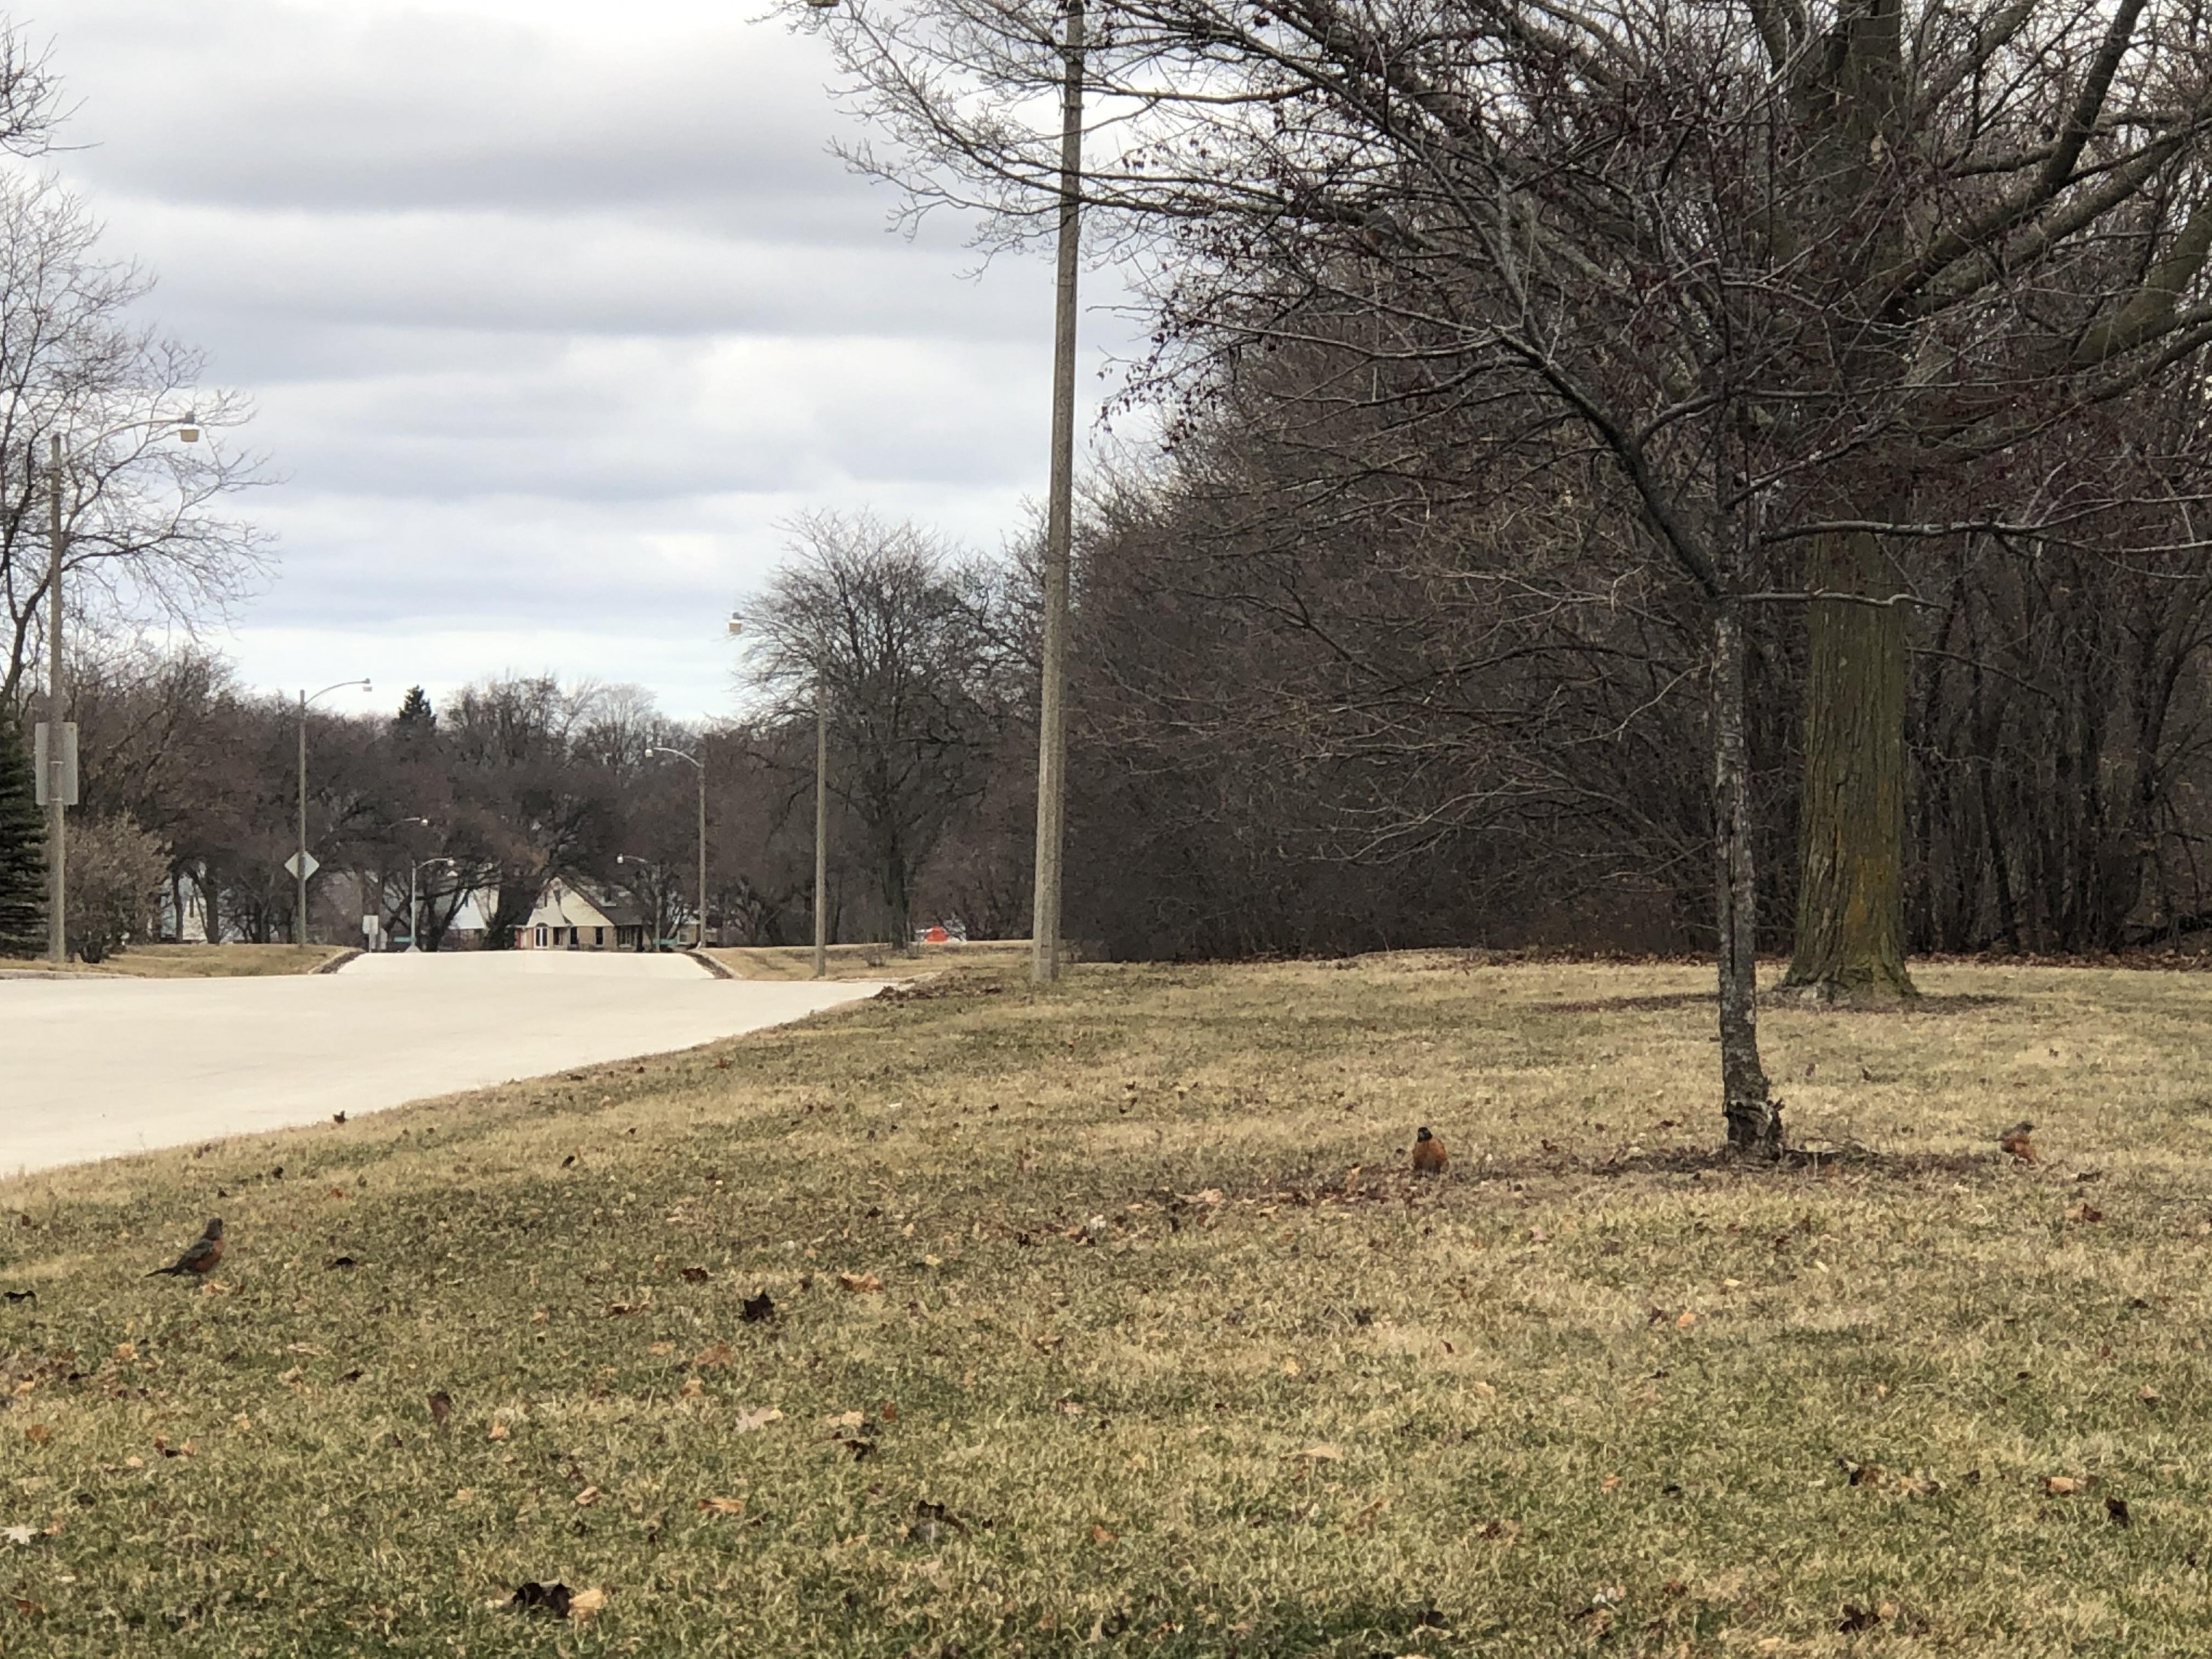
{"x":200,"y":1256}
{"x":1429,"y":1155}
{"x":2016,"y":1145}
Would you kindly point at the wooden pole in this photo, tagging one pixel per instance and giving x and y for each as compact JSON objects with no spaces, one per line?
{"x":820,"y":833}
{"x":1052,"y":700}
{"x":57,"y":750}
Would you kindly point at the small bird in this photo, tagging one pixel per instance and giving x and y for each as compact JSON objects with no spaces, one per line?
{"x":2016,"y":1145}
{"x":200,"y":1256}
{"x":1429,"y":1155}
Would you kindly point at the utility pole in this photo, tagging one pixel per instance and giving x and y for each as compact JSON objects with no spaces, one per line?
{"x":303,"y":865}
{"x":56,"y":747}
{"x":299,"y":910}
{"x":699,"y":762}
{"x":1052,"y":699}
{"x":821,"y":831}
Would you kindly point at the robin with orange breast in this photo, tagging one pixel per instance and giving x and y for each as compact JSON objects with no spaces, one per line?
{"x":1429,"y":1155}
{"x":200,"y":1256}
{"x":2014,"y":1142}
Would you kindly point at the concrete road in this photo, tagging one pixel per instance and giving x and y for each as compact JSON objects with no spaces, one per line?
{"x":91,"y":1066}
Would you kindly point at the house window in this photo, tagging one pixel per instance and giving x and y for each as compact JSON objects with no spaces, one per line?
{"x":541,"y":935}
{"x":599,"y":936}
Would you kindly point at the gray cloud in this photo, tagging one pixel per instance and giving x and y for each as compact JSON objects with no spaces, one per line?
{"x":550,"y":320}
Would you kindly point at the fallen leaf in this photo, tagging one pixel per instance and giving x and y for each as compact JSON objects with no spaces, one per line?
{"x":757,"y":1417}
{"x":2085,"y":1212}
{"x":860,"y":1281}
{"x":2116,"y":1510}
{"x":2061,"y":1485}
{"x":1609,"y":1483}
{"x":714,"y":1353}
{"x":586,"y":1604}
{"x":441,"y":1406}
{"x":2147,"y":1394}
{"x":497,"y":1431}
{"x":755,"y":1309}
{"x":21,"y":1535}
{"x":846,"y":1420}
{"x":1506,"y":1529}
{"x":1320,"y":1452}
{"x":39,"y":1433}
{"x":660,"y":1347}
{"x":126,"y":1350}
{"x":1688,"y":1318}
{"x":1103,"y":1535}
{"x":586,"y":1499}
{"x":694,"y":1275}
{"x":722,"y":1506}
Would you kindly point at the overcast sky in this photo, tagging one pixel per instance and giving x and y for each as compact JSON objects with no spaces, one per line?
{"x":551,"y":312}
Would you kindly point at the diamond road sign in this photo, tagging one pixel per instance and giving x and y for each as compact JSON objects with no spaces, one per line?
{"x":292,"y":863}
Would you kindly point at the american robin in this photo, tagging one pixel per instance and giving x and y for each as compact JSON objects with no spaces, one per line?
{"x":2014,"y":1142}
{"x":200,"y":1256}
{"x":1429,"y":1155}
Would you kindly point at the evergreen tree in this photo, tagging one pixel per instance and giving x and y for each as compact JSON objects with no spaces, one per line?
{"x":22,"y":847}
{"x":416,"y":713}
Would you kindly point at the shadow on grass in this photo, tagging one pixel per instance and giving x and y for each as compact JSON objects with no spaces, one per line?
{"x":1927,"y":1003}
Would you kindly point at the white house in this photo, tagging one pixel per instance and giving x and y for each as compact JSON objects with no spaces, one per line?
{"x":566,"y":918}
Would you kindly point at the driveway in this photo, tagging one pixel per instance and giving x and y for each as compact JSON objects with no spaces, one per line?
{"x":94,"y":1065}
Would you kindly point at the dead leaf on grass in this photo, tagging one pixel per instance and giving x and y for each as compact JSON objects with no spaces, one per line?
{"x":694,"y":1275}
{"x":586,"y":1499}
{"x":1103,"y":1535}
{"x":714,"y":1353}
{"x":2147,"y":1394}
{"x":497,"y":1431}
{"x":1686,"y":1319}
{"x":863,"y":1282}
{"x":441,"y":1406}
{"x":39,"y":1433}
{"x":2061,"y":1486}
{"x":586,"y":1604}
{"x":754,"y":1310}
{"x":2116,"y":1511}
{"x":722,"y":1506}
{"x":756,"y":1416}
{"x":534,"y":1597}
{"x":1320,"y":1452}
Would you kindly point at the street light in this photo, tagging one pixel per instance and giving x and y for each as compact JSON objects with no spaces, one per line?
{"x":657,"y":883}
{"x":699,"y":762}
{"x":300,"y":860}
{"x":57,"y":779}
{"x":414,"y":920}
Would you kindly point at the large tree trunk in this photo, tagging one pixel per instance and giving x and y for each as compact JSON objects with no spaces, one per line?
{"x":1755,"y":1119}
{"x":1851,"y":893}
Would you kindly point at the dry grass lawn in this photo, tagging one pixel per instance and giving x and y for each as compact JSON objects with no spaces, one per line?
{"x":1107,"y":1324}
{"x":195,"y":961}
{"x":875,"y":961}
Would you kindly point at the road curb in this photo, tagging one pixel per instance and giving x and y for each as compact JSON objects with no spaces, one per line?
{"x":718,"y":969}
{"x":339,"y":960}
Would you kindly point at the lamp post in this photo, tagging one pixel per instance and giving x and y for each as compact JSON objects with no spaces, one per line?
{"x":699,"y":762}
{"x":60,"y":773}
{"x":659,"y":883}
{"x":821,"y":831}
{"x":299,"y":865}
{"x":414,"y":921}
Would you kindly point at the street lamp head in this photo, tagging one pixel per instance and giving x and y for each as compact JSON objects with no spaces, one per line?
{"x":188,"y":429}
{"x":737,"y":622}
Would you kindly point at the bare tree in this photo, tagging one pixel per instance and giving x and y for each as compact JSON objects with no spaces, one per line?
{"x":902,"y":639}
{"x":1802,"y":276}
{"x":143,"y":514}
